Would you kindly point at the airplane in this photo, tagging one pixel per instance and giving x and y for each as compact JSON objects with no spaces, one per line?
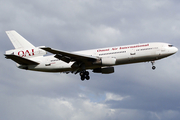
{"x":100,"y":60}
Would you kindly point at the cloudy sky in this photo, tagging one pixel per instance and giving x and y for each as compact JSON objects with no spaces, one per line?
{"x":133,"y":92}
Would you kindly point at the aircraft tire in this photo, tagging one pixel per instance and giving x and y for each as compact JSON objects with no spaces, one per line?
{"x":153,"y":67}
{"x":87,"y":73}
{"x":81,"y":73}
{"x":87,"y":77}
{"x":82,"y":78}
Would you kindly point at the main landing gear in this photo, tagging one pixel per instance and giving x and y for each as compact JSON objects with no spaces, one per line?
{"x":153,"y":67}
{"x":84,"y":75}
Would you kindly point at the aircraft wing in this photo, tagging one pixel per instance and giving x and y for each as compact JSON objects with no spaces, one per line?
{"x":20,"y":60}
{"x":68,"y":56}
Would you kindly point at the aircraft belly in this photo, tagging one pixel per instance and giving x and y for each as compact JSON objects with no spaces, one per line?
{"x":51,"y":67}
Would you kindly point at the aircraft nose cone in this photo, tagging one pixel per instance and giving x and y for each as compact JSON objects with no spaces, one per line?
{"x":175,"y":49}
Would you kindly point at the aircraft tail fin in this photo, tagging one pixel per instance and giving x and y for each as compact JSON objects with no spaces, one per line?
{"x":23,"y":48}
{"x":18,"y":41}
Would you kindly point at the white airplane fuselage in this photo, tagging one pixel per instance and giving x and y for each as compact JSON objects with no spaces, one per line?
{"x":122,"y":54}
{"x":100,"y":60}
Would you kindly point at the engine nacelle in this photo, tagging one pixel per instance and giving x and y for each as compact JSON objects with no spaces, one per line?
{"x":107,"y":61}
{"x":104,"y":70}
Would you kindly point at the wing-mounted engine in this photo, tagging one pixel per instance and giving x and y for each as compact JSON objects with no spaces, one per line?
{"x":104,"y":70}
{"x":106,"y":61}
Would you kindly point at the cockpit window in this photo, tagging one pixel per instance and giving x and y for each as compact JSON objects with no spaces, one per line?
{"x":170,"y":45}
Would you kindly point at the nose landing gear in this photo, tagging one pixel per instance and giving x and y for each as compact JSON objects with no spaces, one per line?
{"x":84,"y":75}
{"x":153,"y":67}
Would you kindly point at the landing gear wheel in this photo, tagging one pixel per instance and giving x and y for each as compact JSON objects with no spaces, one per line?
{"x":82,"y":78}
{"x":87,"y":73}
{"x":84,"y":75}
{"x":153,"y":67}
{"x":81,"y":73}
{"x":87,"y":77}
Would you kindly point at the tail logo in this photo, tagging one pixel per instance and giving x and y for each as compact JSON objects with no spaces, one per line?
{"x":26,"y":53}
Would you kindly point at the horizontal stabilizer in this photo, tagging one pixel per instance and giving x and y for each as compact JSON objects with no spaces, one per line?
{"x":20,"y":60}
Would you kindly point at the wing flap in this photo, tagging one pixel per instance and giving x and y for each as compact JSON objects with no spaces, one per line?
{"x":20,"y":60}
{"x":67,"y":56}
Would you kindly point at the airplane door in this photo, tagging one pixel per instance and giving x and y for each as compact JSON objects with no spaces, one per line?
{"x":158,"y":52}
{"x":132,"y":54}
{"x":47,"y":62}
